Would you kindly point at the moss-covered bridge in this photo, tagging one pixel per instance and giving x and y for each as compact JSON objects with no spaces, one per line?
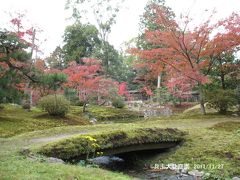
{"x":112,"y":142}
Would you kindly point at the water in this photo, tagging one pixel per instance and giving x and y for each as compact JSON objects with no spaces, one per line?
{"x":133,"y":165}
{"x":113,"y":163}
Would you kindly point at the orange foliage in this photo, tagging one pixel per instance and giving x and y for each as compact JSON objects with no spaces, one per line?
{"x":187,"y":51}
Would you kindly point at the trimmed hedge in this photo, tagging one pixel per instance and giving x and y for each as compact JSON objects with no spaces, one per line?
{"x":55,"y":105}
{"x":118,"y":102}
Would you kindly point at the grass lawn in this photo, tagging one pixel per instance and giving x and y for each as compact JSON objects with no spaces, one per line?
{"x":212,"y":139}
{"x":14,"y":120}
{"x":215,"y":150}
{"x":112,"y":114}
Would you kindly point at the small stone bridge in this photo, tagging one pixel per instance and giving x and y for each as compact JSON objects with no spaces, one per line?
{"x":140,"y":147}
{"x":112,"y":143}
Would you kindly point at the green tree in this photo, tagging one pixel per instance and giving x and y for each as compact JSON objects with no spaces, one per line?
{"x":223,"y":70}
{"x":56,"y":59}
{"x":128,"y":72}
{"x":48,"y":82}
{"x":14,"y":66}
{"x":80,"y":41}
{"x":8,"y":90}
{"x":221,"y":99}
{"x":104,"y":13}
{"x":110,"y":59}
{"x":147,"y":22}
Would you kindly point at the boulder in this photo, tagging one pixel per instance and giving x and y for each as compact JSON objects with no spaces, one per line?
{"x":93,"y":120}
{"x":196,"y":173}
{"x":235,"y":178}
{"x":54,"y":160}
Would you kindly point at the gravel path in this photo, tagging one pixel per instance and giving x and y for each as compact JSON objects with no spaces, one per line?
{"x":182,"y":125}
{"x":56,"y":137}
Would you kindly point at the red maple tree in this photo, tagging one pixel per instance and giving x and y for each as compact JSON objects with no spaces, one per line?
{"x":87,"y":81}
{"x":122,"y":90}
{"x":189,"y":51}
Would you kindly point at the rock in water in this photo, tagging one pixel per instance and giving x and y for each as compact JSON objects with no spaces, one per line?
{"x":235,"y":178}
{"x":196,"y":173}
{"x":54,"y":160}
{"x":106,"y":160}
{"x":103,"y":160}
{"x":93,"y":120}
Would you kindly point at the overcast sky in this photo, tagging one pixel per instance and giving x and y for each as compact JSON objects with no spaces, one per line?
{"x":50,"y":16}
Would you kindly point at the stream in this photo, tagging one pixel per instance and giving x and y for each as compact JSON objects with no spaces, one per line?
{"x":135,"y":164}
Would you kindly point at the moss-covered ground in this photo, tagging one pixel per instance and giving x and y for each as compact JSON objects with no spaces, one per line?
{"x":212,"y":141}
{"x":20,"y":129}
{"x":14,"y":120}
{"x":112,"y":114}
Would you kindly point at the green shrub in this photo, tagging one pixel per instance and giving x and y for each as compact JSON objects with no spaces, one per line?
{"x":76,"y":102}
{"x":55,"y":105}
{"x":79,"y":103}
{"x":26,"y":105}
{"x":72,"y":96}
{"x":221,"y":100}
{"x":118,"y":102}
{"x":1,"y":106}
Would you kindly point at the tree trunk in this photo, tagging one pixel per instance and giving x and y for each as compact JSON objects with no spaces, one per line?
{"x":223,"y":81}
{"x":28,"y":91}
{"x":159,"y":80}
{"x":238,"y":96}
{"x":84,"y":107}
{"x":31,"y":98}
{"x":201,"y":100}
{"x":105,"y":45}
{"x":158,"y":87}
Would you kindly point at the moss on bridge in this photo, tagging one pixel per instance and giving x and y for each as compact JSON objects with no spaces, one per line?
{"x":83,"y":145}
